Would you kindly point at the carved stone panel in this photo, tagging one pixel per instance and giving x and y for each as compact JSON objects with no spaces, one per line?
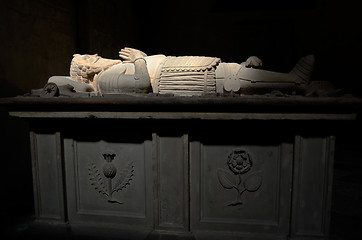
{"x":172,"y":182}
{"x":109,"y":181}
{"x":242,"y":188}
{"x":312,"y":186}
{"x":47,"y":176}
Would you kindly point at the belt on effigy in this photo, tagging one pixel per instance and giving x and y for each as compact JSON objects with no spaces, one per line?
{"x":188,"y":75}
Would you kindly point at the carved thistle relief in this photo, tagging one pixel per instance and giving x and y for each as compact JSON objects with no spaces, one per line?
{"x":239,"y":163}
{"x":109,"y":171}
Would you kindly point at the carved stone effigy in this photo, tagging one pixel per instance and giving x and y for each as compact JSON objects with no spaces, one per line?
{"x":180,"y":76}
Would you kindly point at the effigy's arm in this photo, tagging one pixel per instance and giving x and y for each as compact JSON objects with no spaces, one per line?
{"x":141,"y":76}
{"x":118,"y":80}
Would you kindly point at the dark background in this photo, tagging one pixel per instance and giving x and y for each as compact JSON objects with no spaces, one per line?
{"x":39,"y":37}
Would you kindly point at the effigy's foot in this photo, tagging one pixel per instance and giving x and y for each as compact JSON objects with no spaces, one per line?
{"x":304,"y":68}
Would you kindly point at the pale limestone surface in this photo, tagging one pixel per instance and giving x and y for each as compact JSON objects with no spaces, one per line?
{"x":180,"y":76}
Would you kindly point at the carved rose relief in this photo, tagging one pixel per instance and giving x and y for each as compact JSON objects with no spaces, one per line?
{"x":239,"y":162}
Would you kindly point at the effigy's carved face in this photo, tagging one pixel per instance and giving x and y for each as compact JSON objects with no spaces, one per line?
{"x":83,"y":68}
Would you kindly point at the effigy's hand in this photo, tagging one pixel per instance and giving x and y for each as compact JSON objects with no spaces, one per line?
{"x":253,"y":62}
{"x":131,"y":54}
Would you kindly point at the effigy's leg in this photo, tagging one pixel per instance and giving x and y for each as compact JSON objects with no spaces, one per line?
{"x":304,"y":68}
{"x":300,"y":74}
{"x":250,"y":80}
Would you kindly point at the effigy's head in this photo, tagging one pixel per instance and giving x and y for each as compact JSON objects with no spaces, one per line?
{"x":84,"y":68}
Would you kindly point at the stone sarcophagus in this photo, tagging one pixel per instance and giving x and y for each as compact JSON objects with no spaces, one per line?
{"x":189,"y":167}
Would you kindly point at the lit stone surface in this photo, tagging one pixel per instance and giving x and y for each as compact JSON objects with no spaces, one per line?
{"x":190,"y":167}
